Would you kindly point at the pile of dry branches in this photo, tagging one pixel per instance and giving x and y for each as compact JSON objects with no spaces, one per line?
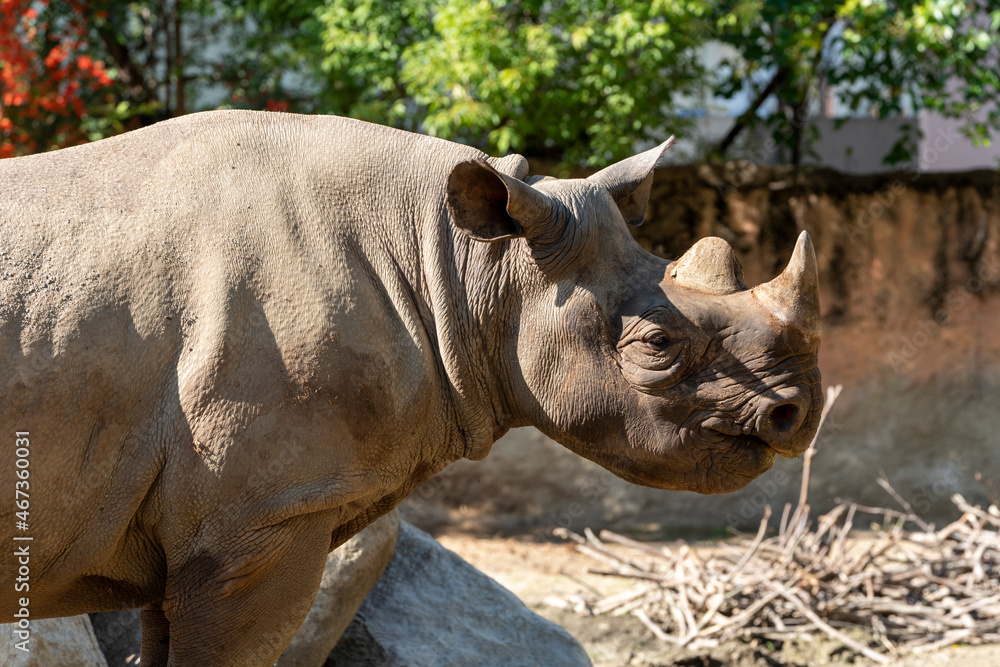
{"x":907,"y":587}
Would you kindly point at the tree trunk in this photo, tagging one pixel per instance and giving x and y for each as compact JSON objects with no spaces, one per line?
{"x":178,"y":60}
{"x":800,"y":116}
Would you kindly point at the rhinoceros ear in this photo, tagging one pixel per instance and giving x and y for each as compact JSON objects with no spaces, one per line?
{"x":630,"y":181}
{"x":489,"y":206}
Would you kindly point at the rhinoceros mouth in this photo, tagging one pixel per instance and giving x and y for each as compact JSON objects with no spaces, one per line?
{"x":751,"y":441}
{"x":736,"y":436}
{"x":739,"y":459}
{"x":720,"y":463}
{"x":755,"y":451}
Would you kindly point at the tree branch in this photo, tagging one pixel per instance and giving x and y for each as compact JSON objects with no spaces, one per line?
{"x":132,"y":76}
{"x":800,"y":110}
{"x":779,"y":77}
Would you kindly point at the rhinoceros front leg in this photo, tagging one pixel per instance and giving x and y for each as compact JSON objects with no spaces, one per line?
{"x":155,"y":649}
{"x":351,"y":571}
{"x":242,"y":598}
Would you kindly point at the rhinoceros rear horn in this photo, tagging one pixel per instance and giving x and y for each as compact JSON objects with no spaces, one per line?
{"x":793,"y":296}
{"x":629,"y":181}
{"x":488,"y":205}
{"x":709,"y":266}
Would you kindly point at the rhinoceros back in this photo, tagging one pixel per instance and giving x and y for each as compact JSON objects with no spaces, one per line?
{"x":208,"y":275}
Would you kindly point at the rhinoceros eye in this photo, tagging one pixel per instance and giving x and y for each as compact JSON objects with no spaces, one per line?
{"x":656,"y":340}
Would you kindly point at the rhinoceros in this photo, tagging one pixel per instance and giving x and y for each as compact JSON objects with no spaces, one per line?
{"x":232,"y":340}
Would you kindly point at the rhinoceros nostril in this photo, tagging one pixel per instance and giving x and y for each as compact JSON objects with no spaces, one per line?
{"x":784,"y":417}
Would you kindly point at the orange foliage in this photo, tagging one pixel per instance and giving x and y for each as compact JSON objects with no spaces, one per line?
{"x":44,"y":74}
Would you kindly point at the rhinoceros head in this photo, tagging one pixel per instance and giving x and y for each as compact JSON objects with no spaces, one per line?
{"x":671,"y":375}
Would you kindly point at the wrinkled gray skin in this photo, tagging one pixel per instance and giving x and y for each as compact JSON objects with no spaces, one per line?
{"x":238,"y":338}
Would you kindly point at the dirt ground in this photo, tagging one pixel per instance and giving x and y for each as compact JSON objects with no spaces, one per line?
{"x":539,"y":572}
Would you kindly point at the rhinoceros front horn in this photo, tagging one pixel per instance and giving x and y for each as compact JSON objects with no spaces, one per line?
{"x":709,"y":266}
{"x":793,"y":296}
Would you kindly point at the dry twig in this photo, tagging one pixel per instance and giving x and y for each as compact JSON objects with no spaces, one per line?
{"x":910,"y":589}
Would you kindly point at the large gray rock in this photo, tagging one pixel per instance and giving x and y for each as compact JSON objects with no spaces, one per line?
{"x":54,"y":642}
{"x":119,"y":634}
{"x":431,"y":608}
